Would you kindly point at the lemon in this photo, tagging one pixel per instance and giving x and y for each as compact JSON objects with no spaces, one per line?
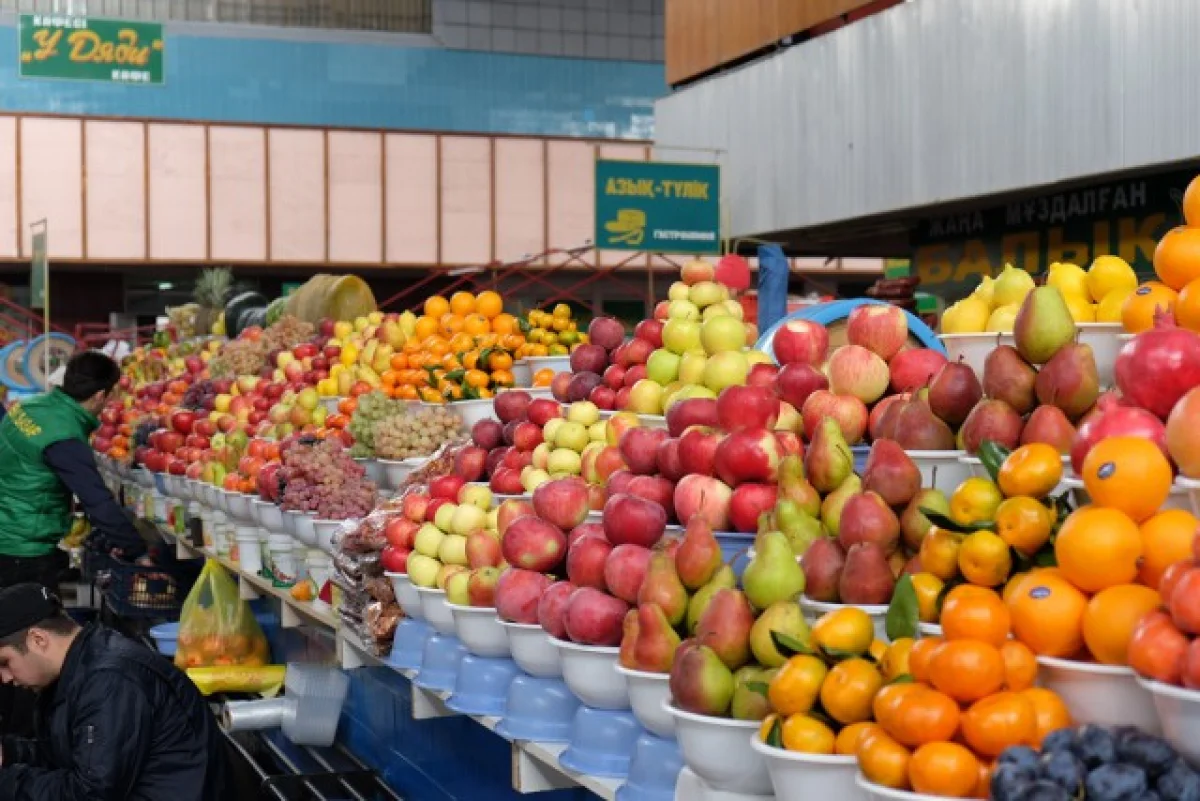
{"x":1081,"y":307}
{"x":1070,"y":279}
{"x":1011,"y":287}
{"x":984,"y":291}
{"x":1109,"y":273}
{"x":1002,"y":319}
{"x":967,"y":316}
{"x":1109,"y":309}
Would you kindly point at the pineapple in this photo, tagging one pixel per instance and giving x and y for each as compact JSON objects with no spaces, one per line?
{"x":212,"y":290}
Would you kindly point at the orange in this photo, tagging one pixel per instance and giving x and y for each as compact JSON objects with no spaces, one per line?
{"x":1111,"y":617}
{"x":1166,"y":539}
{"x":939,"y":553}
{"x":505,"y":324}
{"x":1020,"y":665}
{"x":1098,"y":548}
{"x":984,"y":559}
{"x":920,"y":655}
{"x":849,"y":689}
{"x":462,"y":303}
{"x":975,"y":613}
{"x":489,"y":304}
{"x":928,"y":587}
{"x":924,"y":716}
{"x":476,"y":325}
{"x":807,"y":735}
{"x":882,"y":760}
{"x":983,"y":785}
{"x":450,"y":324}
{"x":1050,"y":713}
{"x":1024,"y":523}
{"x":848,"y":631}
{"x":1191,"y":202}
{"x":945,"y":769}
{"x":849,"y":737}
{"x":1127,"y":473}
{"x":436,"y":306}
{"x":794,"y":689}
{"x":425,"y":327}
{"x":1033,"y":470}
{"x":543,"y":377}
{"x":1177,"y":257}
{"x":967,"y":670}
{"x":894,"y":662}
{"x":1139,"y":309}
{"x":1187,"y":307}
{"x":998,"y":722}
{"x":1047,"y":614}
{"x":887,"y":702}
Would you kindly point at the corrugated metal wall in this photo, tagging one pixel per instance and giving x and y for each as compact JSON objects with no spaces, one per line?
{"x":937,"y":101}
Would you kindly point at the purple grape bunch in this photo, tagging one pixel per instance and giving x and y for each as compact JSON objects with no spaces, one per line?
{"x":322,"y":478}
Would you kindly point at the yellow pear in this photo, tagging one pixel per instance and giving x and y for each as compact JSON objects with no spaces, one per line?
{"x":985,"y":289}
{"x":1110,"y":273}
{"x":1012,"y":285}
{"x":1070,"y":279}
{"x":1109,"y":309}
{"x":967,"y":316}
{"x":1002,"y":319}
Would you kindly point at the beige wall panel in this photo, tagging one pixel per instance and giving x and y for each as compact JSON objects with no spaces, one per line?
{"x":520,"y":198}
{"x":8,"y":187}
{"x":411,"y":181}
{"x":237,"y":169}
{"x":178,"y":212}
{"x":466,"y":200}
{"x":572,"y":183}
{"x":355,"y":197}
{"x":116,"y":189}
{"x":52,"y":182}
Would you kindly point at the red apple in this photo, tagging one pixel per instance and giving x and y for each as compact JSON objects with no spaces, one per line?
{"x":625,"y":571}
{"x":633,"y":374}
{"x":801,"y":341}
{"x":636,"y":351}
{"x":796,"y":382}
{"x":623,"y":397}
{"x":532,"y":543}
{"x":854,"y":370}
{"x":563,"y":502}
{"x":639,"y":449}
{"x":762,"y":375}
{"x":469,"y":462}
{"x":749,"y":455}
{"x":705,"y":497}
{"x":446,"y":487}
{"x":551,"y":607}
{"x":542,"y":410}
{"x":850,"y":413}
{"x":527,"y":436}
{"x":912,"y":369}
{"x":488,"y":434}
{"x":592,"y":617}
{"x":879,"y":327}
{"x":177,"y":467}
{"x":691,"y":412}
{"x":748,"y":502}
{"x":394,"y":560}
{"x":747,"y":407}
{"x":584,"y":530}
{"x":670,"y":465}
{"x":585,"y":561}
{"x":517,"y":459}
{"x":606,"y":332}
{"x":511,"y":510}
{"x":506,"y":481}
{"x":650,"y":331}
{"x":614,"y":377}
{"x":483,"y":550}
{"x":597,"y":496}
{"x":518,"y":593}
{"x":604,"y":397}
{"x":630,"y":520}
{"x":481,"y":588}
{"x":182,"y":421}
{"x":414,"y":506}
{"x":400,"y":531}
{"x":619,"y":481}
{"x":600,"y":463}
{"x":698,"y":449}
{"x":656,"y":489}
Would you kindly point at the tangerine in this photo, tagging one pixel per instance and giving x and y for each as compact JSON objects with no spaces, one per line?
{"x":1139,"y":309}
{"x":1020,"y":665}
{"x":1111,"y":617}
{"x":998,"y":722}
{"x":489,"y":303}
{"x":883,"y":760}
{"x":1050,"y":713}
{"x":849,"y":690}
{"x":886,"y":704}
{"x":848,"y":631}
{"x":1033,"y":470}
{"x":924,"y":716}
{"x":476,"y":324}
{"x":975,"y":501}
{"x":436,"y":306}
{"x":939,"y":553}
{"x":1177,"y":257}
{"x":794,"y":689}
{"x":1166,"y":539}
{"x":1128,"y":473}
{"x":462,"y":303}
{"x":807,"y":735}
{"x":928,"y":588}
{"x":1024,"y":523}
{"x":1187,"y":306}
{"x":984,"y":559}
{"x":1098,"y":548}
{"x":945,"y":769}
{"x":894,"y":662}
{"x":849,"y":737}
{"x":975,"y":613}
{"x":426,"y":326}
{"x":967,"y":670}
{"x":1047,"y":614}
{"x":920,"y":655}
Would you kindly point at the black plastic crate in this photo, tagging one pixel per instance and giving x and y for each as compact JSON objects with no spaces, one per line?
{"x":137,"y":591}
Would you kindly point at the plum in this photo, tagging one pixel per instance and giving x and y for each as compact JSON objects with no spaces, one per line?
{"x":1152,"y":754}
{"x":1179,"y":783}
{"x":1062,"y":739}
{"x":1064,"y":769}
{"x":1010,"y":782}
{"x":1095,"y":746}
{"x":1115,"y":782}
{"x":1020,"y":755}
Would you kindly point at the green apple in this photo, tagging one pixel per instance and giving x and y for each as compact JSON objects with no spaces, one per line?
{"x":669,"y":392}
{"x":467,"y":518}
{"x":453,"y":550}
{"x":428,"y":540}
{"x":715,"y":310}
{"x":550,"y":430}
{"x":476,"y":495}
{"x":456,"y":588}
{"x":720,"y":334}
{"x":691,"y":366}
{"x":683,"y":310}
{"x":493,"y":514}
{"x":706,"y":293}
{"x":594,"y":445}
{"x":734,"y":308}
{"x":680,"y":336}
{"x":532,"y":478}
{"x":758,"y":357}
{"x":541,"y":455}
{"x":445,"y":514}
{"x":678,"y":291}
{"x":423,"y":570}
{"x":727,"y":369}
{"x":598,"y":432}
{"x":565,"y":460}
{"x":445,"y":572}
{"x":571,"y":435}
{"x":662,"y":366}
{"x":646,"y":397}
{"x":583,"y":412}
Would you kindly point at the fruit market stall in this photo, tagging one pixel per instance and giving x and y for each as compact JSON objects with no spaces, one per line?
{"x":854,"y":558}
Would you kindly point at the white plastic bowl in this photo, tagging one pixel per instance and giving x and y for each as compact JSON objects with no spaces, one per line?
{"x":929,"y":629}
{"x":647,"y":692}
{"x":804,"y":777}
{"x":143,"y":477}
{"x":479,"y":630}
{"x":653,"y":421}
{"x":436,"y":610}
{"x":1105,"y":340}
{"x":1179,"y":712}
{"x":532,"y":650}
{"x":212,"y":496}
{"x":719,"y":751}
{"x":306,"y":530}
{"x":973,"y":349}
{"x":522,"y":374}
{"x":814,"y":610}
{"x":472,"y":411}
{"x":559,"y":364}
{"x":373,"y":470}
{"x":941,"y":470}
{"x":325,"y":529}
{"x":590,"y":673}
{"x":270,"y":517}
{"x":877,"y":792}
{"x":1107,"y":695}
{"x":406,"y":595}
{"x":222,"y":498}
{"x":1193,"y":490}
{"x":396,"y":470}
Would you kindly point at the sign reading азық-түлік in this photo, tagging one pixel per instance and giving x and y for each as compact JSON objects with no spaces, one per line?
{"x":85,"y":49}
{"x":658,"y":206}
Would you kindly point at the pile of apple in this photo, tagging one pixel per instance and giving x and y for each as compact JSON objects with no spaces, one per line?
{"x":606,"y":368}
{"x":358,"y":352}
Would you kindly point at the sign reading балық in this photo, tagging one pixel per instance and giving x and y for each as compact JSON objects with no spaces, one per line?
{"x":657,"y":206}
{"x":85,"y":49}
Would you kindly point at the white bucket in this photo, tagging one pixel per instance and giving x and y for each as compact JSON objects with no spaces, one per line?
{"x":249,"y":551}
{"x":283,"y":559}
{"x":320,"y":567}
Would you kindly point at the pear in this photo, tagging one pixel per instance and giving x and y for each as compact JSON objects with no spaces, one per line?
{"x":663,"y":588}
{"x":867,"y":518}
{"x":629,"y":635}
{"x":800,"y":528}
{"x":784,"y":617}
{"x":831,"y":507}
{"x":747,"y":703}
{"x":953,"y":392}
{"x":794,"y":486}
{"x":1050,"y":425}
{"x":823,"y":564}
{"x":917,"y":428}
{"x":656,"y":641}
{"x":725,"y":626}
{"x":699,"y":555}
{"x":991,"y":420}
{"x":914,"y":525}
{"x":1044,"y":325}
{"x":867,"y":577}
{"x":773,"y":574}
{"x":1009,"y":378}
{"x":1069,"y":380}
{"x":828,"y":460}
{"x":700,"y":682}
{"x":891,"y":473}
{"x":724,"y":578}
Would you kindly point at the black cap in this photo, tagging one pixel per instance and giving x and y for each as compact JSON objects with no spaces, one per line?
{"x":24,"y":605}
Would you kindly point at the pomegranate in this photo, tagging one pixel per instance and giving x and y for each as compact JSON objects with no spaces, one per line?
{"x":1183,"y":434}
{"x":1156,"y":367}
{"x":1113,"y":418}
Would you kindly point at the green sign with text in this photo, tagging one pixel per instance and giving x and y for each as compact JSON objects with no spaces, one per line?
{"x":85,"y":49}
{"x":658,"y":207}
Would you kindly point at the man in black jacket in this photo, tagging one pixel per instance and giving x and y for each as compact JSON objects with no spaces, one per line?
{"x":115,"y":720}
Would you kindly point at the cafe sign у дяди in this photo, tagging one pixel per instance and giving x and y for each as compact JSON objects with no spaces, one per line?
{"x":86,"y":49}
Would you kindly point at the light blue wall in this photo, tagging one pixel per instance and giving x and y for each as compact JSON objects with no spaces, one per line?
{"x":362,"y":82}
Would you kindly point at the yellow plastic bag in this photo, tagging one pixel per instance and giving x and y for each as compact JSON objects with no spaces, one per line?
{"x":217,"y":628}
{"x":266,"y":681}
